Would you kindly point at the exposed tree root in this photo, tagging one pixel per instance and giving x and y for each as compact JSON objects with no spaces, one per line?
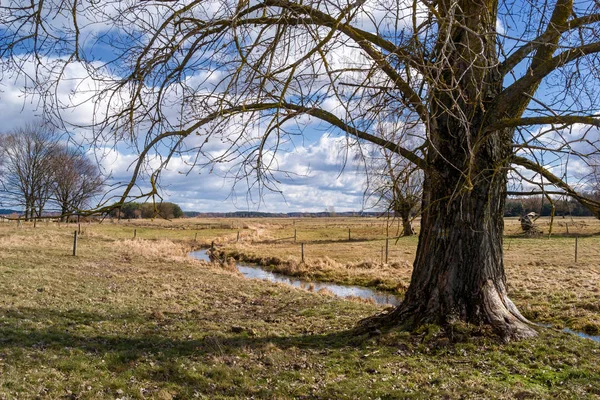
{"x":498,"y":312}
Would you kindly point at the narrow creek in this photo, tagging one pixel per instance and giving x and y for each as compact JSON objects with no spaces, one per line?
{"x":256,"y":272}
{"x":251,"y":271}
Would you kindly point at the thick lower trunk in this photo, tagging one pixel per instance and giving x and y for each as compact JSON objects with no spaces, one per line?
{"x":63,"y":214}
{"x":458,"y":271}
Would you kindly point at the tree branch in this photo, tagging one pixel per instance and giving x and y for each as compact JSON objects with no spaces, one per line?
{"x":592,"y":205}
{"x":315,"y":112}
{"x":366,"y":41}
{"x":513,"y":100}
{"x":549,"y":36}
{"x":554,"y":119}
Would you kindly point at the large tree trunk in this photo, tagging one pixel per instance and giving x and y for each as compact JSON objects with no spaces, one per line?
{"x":63,"y":213}
{"x":407,"y":229}
{"x":458,"y":271}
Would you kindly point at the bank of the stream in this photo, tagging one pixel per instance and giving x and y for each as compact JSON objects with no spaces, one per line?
{"x":345,"y":291}
{"x":390,"y":278}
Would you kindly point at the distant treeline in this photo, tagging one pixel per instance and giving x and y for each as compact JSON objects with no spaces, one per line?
{"x":148,"y":210}
{"x":4,"y":211}
{"x":517,"y":206}
{"x":256,"y":214}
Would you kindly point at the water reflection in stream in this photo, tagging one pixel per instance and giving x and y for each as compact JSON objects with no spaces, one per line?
{"x":256,"y":272}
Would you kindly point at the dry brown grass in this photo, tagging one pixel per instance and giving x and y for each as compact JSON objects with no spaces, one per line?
{"x":543,"y":277}
{"x":136,"y":319}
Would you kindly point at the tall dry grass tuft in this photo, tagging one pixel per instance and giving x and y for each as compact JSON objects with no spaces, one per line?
{"x":163,"y":250}
{"x":30,"y":238}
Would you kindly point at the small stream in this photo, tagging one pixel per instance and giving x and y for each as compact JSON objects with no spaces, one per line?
{"x":256,"y":272}
{"x":567,"y":330}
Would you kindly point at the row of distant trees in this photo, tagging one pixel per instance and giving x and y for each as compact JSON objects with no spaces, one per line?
{"x":39,"y":174}
{"x":148,"y":210}
{"x":515,"y":207}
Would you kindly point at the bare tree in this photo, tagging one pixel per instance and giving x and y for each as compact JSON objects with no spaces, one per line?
{"x":76,"y":180}
{"x":27,"y":168}
{"x":496,"y":86}
{"x":396,"y":186}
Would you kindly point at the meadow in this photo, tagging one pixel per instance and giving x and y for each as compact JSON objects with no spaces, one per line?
{"x":136,"y":318}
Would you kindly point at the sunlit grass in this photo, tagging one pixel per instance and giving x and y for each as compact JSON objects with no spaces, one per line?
{"x":136,"y":318}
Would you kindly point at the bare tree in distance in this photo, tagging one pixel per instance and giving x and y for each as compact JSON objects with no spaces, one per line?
{"x":27,"y":168}
{"x":594,"y":179}
{"x":76,"y":181}
{"x":496,"y":86}
{"x":396,"y":187}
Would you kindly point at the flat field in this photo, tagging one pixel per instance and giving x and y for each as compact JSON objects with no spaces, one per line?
{"x":135,"y":318}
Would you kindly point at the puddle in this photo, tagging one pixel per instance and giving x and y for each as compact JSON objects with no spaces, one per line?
{"x":255,"y":272}
{"x":201,"y":255}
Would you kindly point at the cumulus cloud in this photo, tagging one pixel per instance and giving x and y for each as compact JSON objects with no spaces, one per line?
{"x":321,"y":175}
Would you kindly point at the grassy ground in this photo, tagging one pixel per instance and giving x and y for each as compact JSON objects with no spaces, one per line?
{"x":138,"y":319}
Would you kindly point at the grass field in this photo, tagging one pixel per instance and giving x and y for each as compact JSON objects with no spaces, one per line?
{"x":136,"y":318}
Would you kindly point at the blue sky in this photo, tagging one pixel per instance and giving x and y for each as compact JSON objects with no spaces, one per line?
{"x":322,"y":171}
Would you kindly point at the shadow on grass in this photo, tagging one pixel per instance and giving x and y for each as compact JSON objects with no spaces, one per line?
{"x":123,"y":353}
{"x":63,"y":333}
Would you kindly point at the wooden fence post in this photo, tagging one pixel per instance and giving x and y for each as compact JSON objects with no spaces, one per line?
{"x":302,"y":249}
{"x":134,"y":233}
{"x":74,"y":243}
{"x":238,"y":237}
{"x":349,"y":236}
{"x":387,"y":248}
{"x":295,"y":235}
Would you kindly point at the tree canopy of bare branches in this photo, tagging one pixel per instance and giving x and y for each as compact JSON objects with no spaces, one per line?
{"x":497,"y":87}
{"x":395,"y":187}
{"x":27,"y":168}
{"x":76,"y":180}
{"x":40,"y":174}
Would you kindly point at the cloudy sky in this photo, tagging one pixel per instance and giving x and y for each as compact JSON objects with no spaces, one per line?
{"x":323,"y":174}
{"x":316,"y":169}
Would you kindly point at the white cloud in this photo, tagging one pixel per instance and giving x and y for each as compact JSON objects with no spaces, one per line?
{"x":321,"y":182}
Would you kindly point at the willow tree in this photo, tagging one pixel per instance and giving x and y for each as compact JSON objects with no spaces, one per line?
{"x":497,"y":86}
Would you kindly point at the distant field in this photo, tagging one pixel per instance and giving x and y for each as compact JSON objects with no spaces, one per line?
{"x":137,"y":318}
